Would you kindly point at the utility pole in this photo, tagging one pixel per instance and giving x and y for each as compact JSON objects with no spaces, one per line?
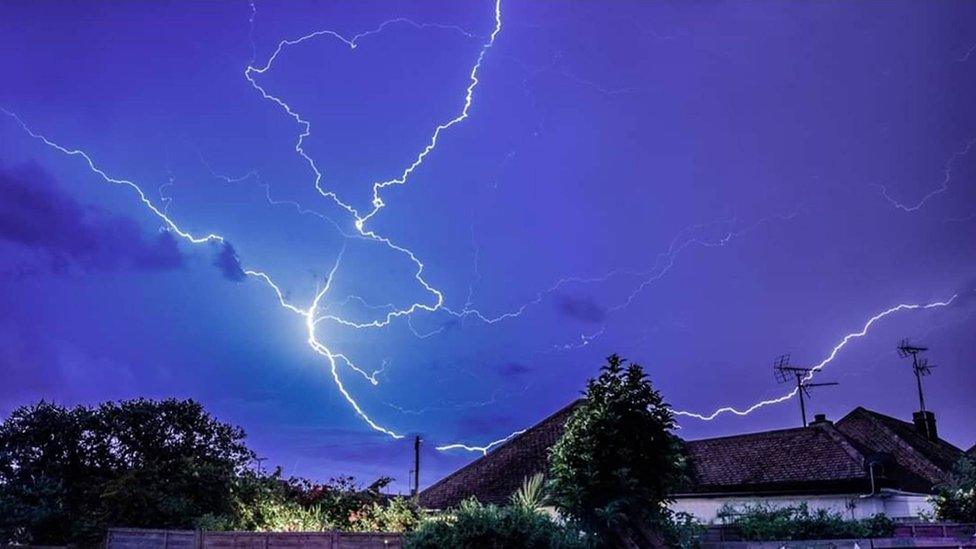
{"x":784,"y":371}
{"x":416,"y":466}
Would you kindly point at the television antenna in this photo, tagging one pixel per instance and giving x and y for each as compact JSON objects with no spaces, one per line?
{"x":785,"y":373}
{"x":921,"y":367}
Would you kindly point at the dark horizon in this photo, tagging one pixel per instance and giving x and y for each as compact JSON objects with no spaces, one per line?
{"x":698,"y":187}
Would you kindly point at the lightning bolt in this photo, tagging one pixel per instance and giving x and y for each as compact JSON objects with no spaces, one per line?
{"x":483,"y":449}
{"x":317,"y":311}
{"x":830,"y":358}
{"x":943,"y":187}
{"x":313,"y":314}
{"x":761,"y":404}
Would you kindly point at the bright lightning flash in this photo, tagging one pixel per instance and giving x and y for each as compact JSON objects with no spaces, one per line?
{"x":311,"y":314}
{"x":314,"y":313}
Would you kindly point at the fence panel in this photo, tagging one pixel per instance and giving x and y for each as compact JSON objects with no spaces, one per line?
{"x":132,"y":538}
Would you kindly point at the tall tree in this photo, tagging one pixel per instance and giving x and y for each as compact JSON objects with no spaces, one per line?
{"x":617,"y":461}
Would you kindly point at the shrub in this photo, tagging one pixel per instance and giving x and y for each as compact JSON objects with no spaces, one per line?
{"x":489,"y":526}
{"x":764,"y":522}
{"x":682,"y":530}
{"x":956,"y":498}
{"x":270,"y":503}
{"x":396,"y":515}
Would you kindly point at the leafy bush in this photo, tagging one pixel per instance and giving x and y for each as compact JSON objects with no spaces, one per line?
{"x":682,"y":530}
{"x":396,"y":515}
{"x":270,"y":503}
{"x":955,"y":500}
{"x":492,"y":527}
{"x":761,"y":522}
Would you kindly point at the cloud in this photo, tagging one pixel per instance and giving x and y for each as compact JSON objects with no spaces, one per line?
{"x":37,"y":214}
{"x":228,"y":263}
{"x":580,"y":308}
{"x":514,"y":369}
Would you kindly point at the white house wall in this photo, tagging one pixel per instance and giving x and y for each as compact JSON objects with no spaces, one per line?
{"x":853,"y":506}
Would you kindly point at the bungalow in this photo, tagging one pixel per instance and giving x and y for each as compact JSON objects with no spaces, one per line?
{"x":863,"y":464}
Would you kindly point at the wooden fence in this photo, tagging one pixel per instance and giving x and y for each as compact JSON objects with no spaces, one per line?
{"x":933,"y":535}
{"x":130,"y":538}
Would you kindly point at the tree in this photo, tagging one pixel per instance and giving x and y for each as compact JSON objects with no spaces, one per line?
{"x":617,"y":461}
{"x":956,"y":498}
{"x":68,"y":474}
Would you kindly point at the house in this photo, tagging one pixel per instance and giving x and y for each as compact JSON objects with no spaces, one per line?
{"x":863,"y":464}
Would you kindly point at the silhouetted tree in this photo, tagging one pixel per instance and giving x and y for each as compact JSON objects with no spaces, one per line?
{"x":68,"y":474}
{"x":617,"y":461}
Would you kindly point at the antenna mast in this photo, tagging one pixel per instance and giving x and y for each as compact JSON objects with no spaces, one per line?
{"x":785,"y":373}
{"x":920,"y":367}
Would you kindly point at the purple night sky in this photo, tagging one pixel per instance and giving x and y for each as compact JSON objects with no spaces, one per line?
{"x":700,"y":187}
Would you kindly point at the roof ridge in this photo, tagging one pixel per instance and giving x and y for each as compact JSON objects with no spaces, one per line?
{"x":841,"y":439}
{"x":938,"y":444}
{"x":744,"y":435}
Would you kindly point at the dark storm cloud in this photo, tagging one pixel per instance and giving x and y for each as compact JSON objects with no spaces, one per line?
{"x":228,"y":263}
{"x":36,"y":213}
{"x":580,"y":308}
{"x":514,"y":369}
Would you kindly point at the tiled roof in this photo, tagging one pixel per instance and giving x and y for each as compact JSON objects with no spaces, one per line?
{"x":494,"y":477}
{"x":821,"y":458}
{"x":920,"y":463}
{"x":815,"y":458}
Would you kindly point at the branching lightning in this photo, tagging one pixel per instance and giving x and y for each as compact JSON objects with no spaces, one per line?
{"x":313,"y":313}
{"x":317,"y":311}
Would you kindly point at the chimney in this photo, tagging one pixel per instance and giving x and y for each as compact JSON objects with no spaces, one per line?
{"x":925,"y":424}
{"x":821,"y":419}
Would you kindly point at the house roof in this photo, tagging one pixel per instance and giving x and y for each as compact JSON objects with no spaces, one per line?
{"x":971,"y":452}
{"x":821,"y":458}
{"x":805,"y":459}
{"x":921,"y":462}
{"x":494,"y":477}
